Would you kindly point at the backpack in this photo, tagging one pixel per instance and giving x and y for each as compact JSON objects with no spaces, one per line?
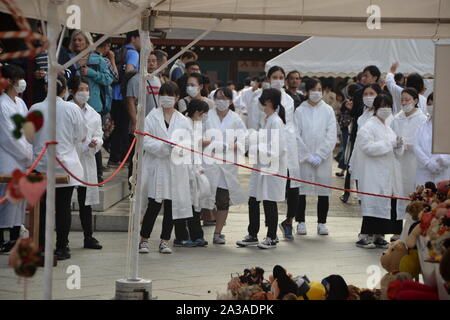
{"x":119,"y":57}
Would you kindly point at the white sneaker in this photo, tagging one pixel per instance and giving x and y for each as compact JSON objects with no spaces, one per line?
{"x":164,"y":247}
{"x":143,"y":247}
{"x":218,"y":238}
{"x":267,"y":244}
{"x":322,"y":229}
{"x":301,"y":229}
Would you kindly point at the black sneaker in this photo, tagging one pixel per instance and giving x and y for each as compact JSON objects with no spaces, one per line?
{"x":248,"y":241}
{"x":344,"y":197}
{"x":381,"y":243}
{"x":92,"y":243}
{"x":286,"y":229}
{"x":62,"y":254}
{"x":366,"y":244}
{"x":7,"y":246}
{"x":267,"y":244}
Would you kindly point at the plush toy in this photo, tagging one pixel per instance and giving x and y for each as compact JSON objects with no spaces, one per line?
{"x":444,"y":269}
{"x":356,"y":293}
{"x":24,"y":257}
{"x":390,"y":260}
{"x":28,"y":187}
{"x":29,"y":125}
{"x":316,"y":292}
{"x":443,"y":190}
{"x":336,"y":287}
{"x":282,"y":283}
{"x":411,"y":290}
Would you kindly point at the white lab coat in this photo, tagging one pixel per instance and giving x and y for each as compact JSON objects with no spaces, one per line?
{"x":14,"y":154}
{"x":396,"y":92}
{"x":224,"y":175}
{"x":70,"y":131}
{"x":380,"y":170}
{"x":406,"y":127}
{"x":165,"y":179}
{"x":424,"y":156}
{"x":316,"y":134}
{"x":243,"y":102}
{"x":264,"y":186}
{"x":93,"y":124}
{"x":256,"y":120}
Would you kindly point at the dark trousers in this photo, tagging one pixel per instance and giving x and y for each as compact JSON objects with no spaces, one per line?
{"x":344,"y":140}
{"x":119,"y":136}
{"x":194,"y":226}
{"x":63,"y":217}
{"x":85,"y":213}
{"x":99,"y":163}
{"x":271,"y":217}
{"x":322,"y":208}
{"x":293,"y":202}
{"x":150,"y":216}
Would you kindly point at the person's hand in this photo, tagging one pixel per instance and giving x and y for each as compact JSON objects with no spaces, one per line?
{"x":394,"y":67}
{"x":398,"y":143}
{"x":314,"y":160}
{"x":39,"y":74}
{"x":93,"y":143}
{"x":433,"y":166}
{"x":111,"y":55}
{"x":84,"y":70}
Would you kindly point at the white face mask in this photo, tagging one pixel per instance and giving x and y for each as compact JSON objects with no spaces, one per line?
{"x":21,"y":86}
{"x":368,"y":101}
{"x":315,"y":96}
{"x":408,"y":108}
{"x":384,"y":113}
{"x":277,"y":84}
{"x":166,"y":101}
{"x":222,"y":105}
{"x":430,"y":110}
{"x":82,"y":96}
{"x":265,"y":85}
{"x":192,"y":91}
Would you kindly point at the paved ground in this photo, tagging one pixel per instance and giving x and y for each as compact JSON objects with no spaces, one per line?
{"x":201,"y":273}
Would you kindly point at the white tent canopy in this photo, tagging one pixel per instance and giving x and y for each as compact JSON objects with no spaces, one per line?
{"x":399,"y":18}
{"x":342,"y":57}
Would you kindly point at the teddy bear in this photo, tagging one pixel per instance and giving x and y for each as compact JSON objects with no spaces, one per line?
{"x":390,"y":260}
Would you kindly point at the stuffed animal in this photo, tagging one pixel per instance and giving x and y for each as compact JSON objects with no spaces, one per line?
{"x":388,"y":278}
{"x":29,"y":125}
{"x":390,"y":260}
{"x":316,"y":292}
{"x":411,"y":290}
{"x":282,"y":283}
{"x":336,"y":287}
{"x":444,"y":269}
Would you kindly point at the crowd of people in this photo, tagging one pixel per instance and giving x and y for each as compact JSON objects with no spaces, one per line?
{"x":383,"y":127}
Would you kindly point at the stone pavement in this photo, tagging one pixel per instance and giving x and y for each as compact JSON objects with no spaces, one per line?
{"x":201,"y":273}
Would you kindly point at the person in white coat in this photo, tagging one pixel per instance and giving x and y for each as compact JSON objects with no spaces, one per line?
{"x":413,"y":80}
{"x":369,"y":92}
{"x":405,"y":125}
{"x":316,"y":138}
{"x":272,"y":157}
{"x":430,"y":167}
{"x":87,"y":195}
{"x":226,"y":136}
{"x":380,"y":174}
{"x":167,"y":180}
{"x":14,"y":153}
{"x":70,"y":131}
{"x":245,"y":98}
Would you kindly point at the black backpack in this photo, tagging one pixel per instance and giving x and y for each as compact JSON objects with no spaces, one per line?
{"x":119,"y":57}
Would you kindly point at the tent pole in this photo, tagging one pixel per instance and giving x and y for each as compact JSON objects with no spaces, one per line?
{"x":52,"y":33}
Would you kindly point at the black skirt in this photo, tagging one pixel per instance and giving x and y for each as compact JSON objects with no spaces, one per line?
{"x":372,"y":225}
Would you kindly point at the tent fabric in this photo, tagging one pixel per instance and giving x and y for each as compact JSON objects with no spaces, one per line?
{"x":288,"y":17}
{"x":342,"y":57}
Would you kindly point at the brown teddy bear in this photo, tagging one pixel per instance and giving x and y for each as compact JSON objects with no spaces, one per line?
{"x":390,"y":261}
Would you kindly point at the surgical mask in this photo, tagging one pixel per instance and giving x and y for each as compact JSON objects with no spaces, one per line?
{"x":384,"y":113}
{"x":265,"y":85}
{"x":315,"y":96}
{"x":21,"y":86}
{"x":82,"y":97}
{"x":408,"y":108}
{"x":166,"y":101}
{"x":368,"y":101}
{"x":430,"y":110}
{"x":222,"y":105}
{"x":192,"y":91}
{"x":277,"y":84}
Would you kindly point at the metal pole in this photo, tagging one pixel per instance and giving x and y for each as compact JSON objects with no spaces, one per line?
{"x":136,"y":201}
{"x":52,"y":33}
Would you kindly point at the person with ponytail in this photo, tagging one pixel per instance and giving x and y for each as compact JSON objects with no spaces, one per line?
{"x":316,"y":137}
{"x":263,"y":187}
{"x":87,"y":149}
{"x":405,"y":125}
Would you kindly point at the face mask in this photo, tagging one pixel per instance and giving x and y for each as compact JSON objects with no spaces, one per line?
{"x":277,"y":84}
{"x":66,"y":95}
{"x":384,"y":113}
{"x":21,"y":86}
{"x":408,"y":108}
{"x":82,"y":97}
{"x":192,"y":91}
{"x":222,"y":105}
{"x":265,"y":85}
{"x":166,"y":101}
{"x":315,"y":96}
{"x":430,"y":110}
{"x":368,"y":101}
